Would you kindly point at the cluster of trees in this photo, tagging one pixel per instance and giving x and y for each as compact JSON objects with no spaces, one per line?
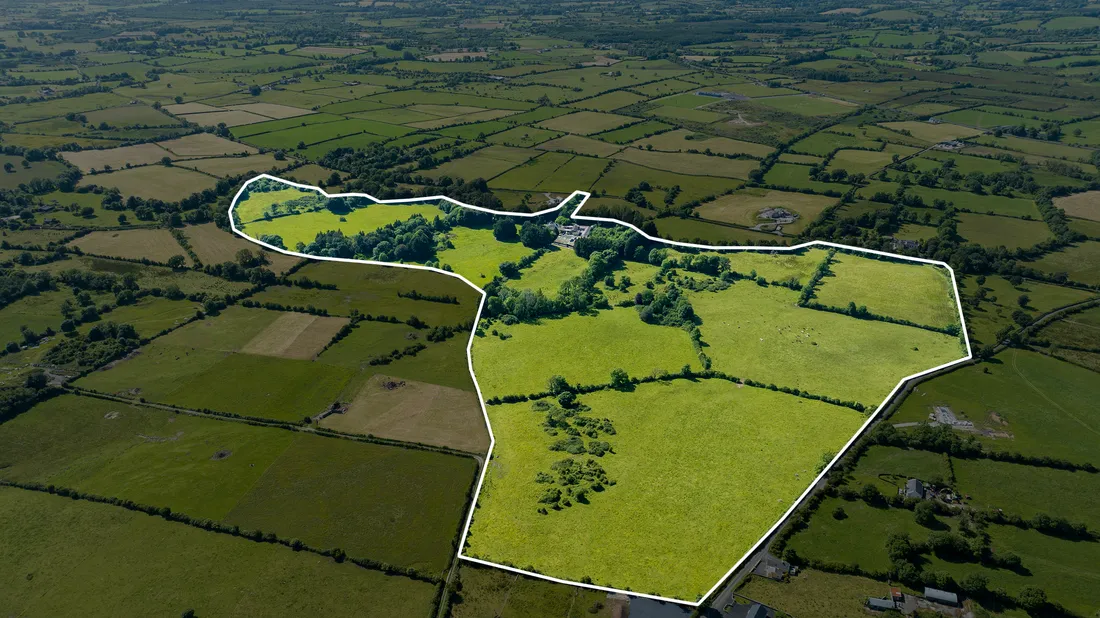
{"x":15,"y":284}
{"x":579,"y":480}
{"x":667,"y":307}
{"x":102,"y":344}
{"x":435,"y":298}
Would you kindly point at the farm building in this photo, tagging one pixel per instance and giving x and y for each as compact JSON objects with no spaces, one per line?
{"x":914,"y":488}
{"x":880,"y":604}
{"x":568,"y":234}
{"x":941,"y":596}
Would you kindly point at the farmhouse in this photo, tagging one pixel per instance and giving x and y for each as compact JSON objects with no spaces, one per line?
{"x":772,"y":568}
{"x":914,"y":489}
{"x":569,"y":233}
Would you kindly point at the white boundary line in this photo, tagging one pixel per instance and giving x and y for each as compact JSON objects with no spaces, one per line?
{"x":477,"y":320}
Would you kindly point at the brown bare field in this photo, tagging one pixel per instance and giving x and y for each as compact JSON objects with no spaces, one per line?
{"x":153,"y":182}
{"x":190,"y":108}
{"x":273,"y":110}
{"x":295,"y":335}
{"x":204,"y":145}
{"x":155,"y":244}
{"x":231,"y":166}
{"x":214,"y":245}
{"x":117,"y":158}
{"x":1081,"y":205}
{"x":416,"y":412}
{"x":231,"y":118}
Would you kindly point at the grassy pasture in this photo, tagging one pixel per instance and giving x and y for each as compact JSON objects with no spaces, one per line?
{"x":798,"y":176}
{"x":889,"y":288}
{"x":682,"y":140}
{"x":204,"y":145}
{"x":1044,"y":404}
{"x":624,"y":175}
{"x":824,"y":142}
{"x":579,"y":145}
{"x":305,"y":226}
{"x":60,"y":541}
{"x":223,"y":167}
{"x":815,"y":593}
{"x":696,"y":448}
{"x":487,"y":591}
{"x":861,"y":161}
{"x":1081,"y":262}
{"x":485,"y":163}
{"x":698,"y":231}
{"x":583,"y":349}
{"x":156,"y":244}
{"x":742,"y":207}
{"x":528,"y":175}
{"x":807,"y":105}
{"x":549,"y":271}
{"x":522,"y":137}
{"x":586,"y":123}
{"x":214,"y":246}
{"x":477,"y":255}
{"x":256,"y":203}
{"x":295,"y":335}
{"x":36,"y":312}
{"x":997,"y":231}
{"x":932,"y":133}
{"x":609,"y":101}
{"x":271,"y":480}
{"x":283,"y":124}
{"x":994,"y":312}
{"x":1029,"y":490}
{"x":682,"y":114}
{"x":688,"y":163}
{"x":759,"y":333}
{"x":634,"y":132}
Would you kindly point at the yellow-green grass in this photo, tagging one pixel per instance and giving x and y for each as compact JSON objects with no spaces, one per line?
{"x":304,"y":227}
{"x":815,"y":593}
{"x":254,"y":204}
{"x":485,"y":163}
{"x":581,"y":348}
{"x":1081,"y":262}
{"x":1045,"y":404}
{"x":683,"y":140}
{"x":368,"y":499}
{"x":798,"y":177}
{"x":156,"y":567}
{"x":689,"y":163}
{"x":860,"y":161}
{"x":477,"y":255}
{"x":702,"y":468}
{"x":156,"y":244}
{"x":777,"y":266}
{"x":932,"y":132}
{"x":993,"y":231}
{"x":550,"y":271}
{"x":890,"y":467}
{"x":920,"y":293}
{"x":487,"y":591}
{"x":169,"y":184}
{"x":760,"y":333}
{"x":824,"y":142}
{"x":742,"y":207}
{"x":586,"y":123}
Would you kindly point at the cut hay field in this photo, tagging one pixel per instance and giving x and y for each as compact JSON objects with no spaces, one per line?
{"x":223,"y":167}
{"x":374,"y":497}
{"x":60,"y":541}
{"x":717,"y":462}
{"x":205,"y":145}
{"x":689,"y":163}
{"x":586,"y":123}
{"x":157,"y":245}
{"x":684,"y":140}
{"x":759,"y":333}
{"x":581,"y":145}
{"x":742,"y":207}
{"x":295,"y":335}
{"x":117,"y":158}
{"x":304,"y":227}
{"x":932,"y":133}
{"x":214,"y":245}
{"x":890,"y":288}
{"x":415,"y":412}
{"x":157,"y":182}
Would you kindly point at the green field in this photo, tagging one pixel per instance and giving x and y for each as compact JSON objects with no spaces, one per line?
{"x":690,"y":451}
{"x":304,"y":227}
{"x":887,"y":288}
{"x":1079,"y":262}
{"x":1044,"y":404}
{"x":257,"y":478}
{"x":167,"y":568}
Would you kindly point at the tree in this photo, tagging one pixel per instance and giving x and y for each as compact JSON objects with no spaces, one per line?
{"x":1032,"y":599}
{"x":509,"y":270}
{"x":177,"y":261}
{"x":870,"y":493}
{"x":567,"y":399}
{"x":974,"y":584}
{"x":838,"y":513}
{"x":122,"y":219}
{"x":556,"y":385}
{"x":619,"y":379}
{"x":925,"y":513}
{"x":504,"y":230}
{"x":254,"y":90}
{"x":1023,"y":300}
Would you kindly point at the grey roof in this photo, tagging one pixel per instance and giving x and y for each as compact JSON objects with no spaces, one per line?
{"x":641,"y":607}
{"x":874,"y":603}
{"x":757,"y":611}
{"x":941,"y":596}
{"x":914,"y":488}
